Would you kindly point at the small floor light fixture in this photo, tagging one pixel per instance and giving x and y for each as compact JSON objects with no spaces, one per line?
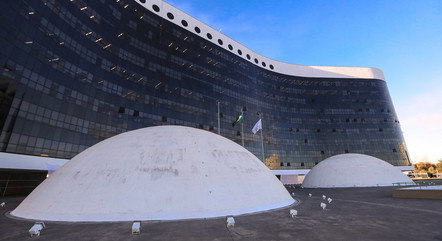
{"x":323,"y":205}
{"x":230,"y":222}
{"x":323,"y":197}
{"x":35,"y":230}
{"x":136,"y":227}
{"x":2,"y":204}
{"x":329,"y":200}
{"x":293,"y":213}
{"x":309,"y":195}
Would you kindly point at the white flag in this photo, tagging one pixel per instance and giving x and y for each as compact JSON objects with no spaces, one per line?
{"x":257,"y":127}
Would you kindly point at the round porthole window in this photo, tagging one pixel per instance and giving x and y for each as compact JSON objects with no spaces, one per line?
{"x":142,"y":1}
{"x":239,"y":52}
{"x":184,"y":23}
{"x":248,"y":56}
{"x":198,"y":30}
{"x":256,"y":60}
{"x":230,"y":47}
{"x":263,"y":64}
{"x":220,"y":42}
{"x":170,"y":16}
{"x":209,"y":36}
{"x":271,"y":67}
{"x":155,"y":8}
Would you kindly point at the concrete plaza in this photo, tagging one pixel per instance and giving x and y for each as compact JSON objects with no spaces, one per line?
{"x":354,"y":214}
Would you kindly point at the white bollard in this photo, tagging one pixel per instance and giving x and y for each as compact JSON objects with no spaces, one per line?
{"x":323,"y":197}
{"x":309,"y":195}
{"x":329,"y":200}
{"x":323,"y":205}
{"x":293,"y":213}
{"x":2,"y":204}
{"x":230,"y":221}
{"x":136,"y":227}
{"x":35,"y":230}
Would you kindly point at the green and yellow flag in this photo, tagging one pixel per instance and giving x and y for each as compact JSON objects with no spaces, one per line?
{"x":240,"y":119}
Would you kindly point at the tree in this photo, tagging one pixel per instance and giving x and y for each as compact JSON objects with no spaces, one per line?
{"x":432,"y":169}
{"x":423,"y":166}
{"x":439,"y":165}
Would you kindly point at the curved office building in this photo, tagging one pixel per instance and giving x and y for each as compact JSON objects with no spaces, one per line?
{"x":76,"y":72}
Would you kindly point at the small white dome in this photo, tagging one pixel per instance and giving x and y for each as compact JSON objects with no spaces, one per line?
{"x":353,"y":170}
{"x":157,"y":173}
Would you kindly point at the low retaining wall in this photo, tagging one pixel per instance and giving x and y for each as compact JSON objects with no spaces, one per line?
{"x":417,"y":193}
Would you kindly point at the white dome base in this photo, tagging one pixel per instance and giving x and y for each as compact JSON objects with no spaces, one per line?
{"x":157,"y":173}
{"x":353,"y":170}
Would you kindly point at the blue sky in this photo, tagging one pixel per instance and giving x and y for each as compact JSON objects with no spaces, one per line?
{"x":402,"y":38}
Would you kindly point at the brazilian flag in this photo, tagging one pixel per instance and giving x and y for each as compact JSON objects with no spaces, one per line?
{"x":240,"y":119}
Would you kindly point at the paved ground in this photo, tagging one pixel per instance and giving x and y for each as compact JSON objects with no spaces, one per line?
{"x":354,"y":214}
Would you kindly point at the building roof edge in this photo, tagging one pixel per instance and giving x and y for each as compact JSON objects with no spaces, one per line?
{"x":163,"y":9}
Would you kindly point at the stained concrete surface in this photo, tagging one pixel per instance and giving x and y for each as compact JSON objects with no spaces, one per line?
{"x":354,"y":214}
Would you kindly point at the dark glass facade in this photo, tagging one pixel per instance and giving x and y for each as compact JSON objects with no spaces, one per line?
{"x":20,"y":182}
{"x":74,"y":73}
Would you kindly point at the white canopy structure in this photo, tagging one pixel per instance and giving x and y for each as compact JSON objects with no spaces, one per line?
{"x":157,"y":173}
{"x":353,"y":170}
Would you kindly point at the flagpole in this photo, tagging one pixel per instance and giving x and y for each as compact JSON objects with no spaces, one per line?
{"x":242,"y":128}
{"x":262,"y":142}
{"x":219,"y":121}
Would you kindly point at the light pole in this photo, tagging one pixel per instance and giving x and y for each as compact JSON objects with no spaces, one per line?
{"x":242,"y":127}
{"x":262,"y":141}
{"x":219,"y":120}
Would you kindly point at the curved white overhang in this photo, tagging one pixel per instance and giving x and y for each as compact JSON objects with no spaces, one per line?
{"x":278,"y":67}
{"x":13,"y":161}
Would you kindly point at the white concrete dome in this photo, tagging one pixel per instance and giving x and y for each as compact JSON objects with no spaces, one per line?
{"x":353,"y":170}
{"x":157,"y":173}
